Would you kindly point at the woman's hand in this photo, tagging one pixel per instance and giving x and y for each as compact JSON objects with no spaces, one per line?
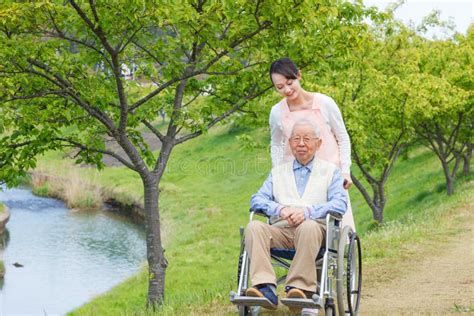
{"x":347,"y":180}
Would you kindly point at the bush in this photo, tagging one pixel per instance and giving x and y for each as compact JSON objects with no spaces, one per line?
{"x":42,"y":190}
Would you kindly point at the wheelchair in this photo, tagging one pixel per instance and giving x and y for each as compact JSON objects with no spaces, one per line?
{"x":338,"y":266}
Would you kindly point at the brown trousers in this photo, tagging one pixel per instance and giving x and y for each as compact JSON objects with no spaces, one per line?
{"x":306,"y":239}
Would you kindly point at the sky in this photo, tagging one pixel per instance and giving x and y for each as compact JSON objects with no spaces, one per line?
{"x":460,"y":11}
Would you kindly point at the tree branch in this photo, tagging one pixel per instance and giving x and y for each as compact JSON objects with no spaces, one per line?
{"x":364,"y":192}
{"x":148,"y":52}
{"x":60,"y":34}
{"x":63,"y":84}
{"x":392,"y":157}
{"x":202,"y":70}
{"x":154,"y":130}
{"x":366,"y":174}
{"x":37,"y":95}
{"x":221,"y":117}
{"x":193,"y":99}
{"x":101,"y":151}
{"x":454,"y":135}
{"x":116,"y":66}
{"x":156,"y":91}
{"x":122,"y":45}
{"x":431,"y":144}
{"x":97,"y":30}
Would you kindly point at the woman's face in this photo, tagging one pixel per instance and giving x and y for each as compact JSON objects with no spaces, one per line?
{"x":289,"y":88}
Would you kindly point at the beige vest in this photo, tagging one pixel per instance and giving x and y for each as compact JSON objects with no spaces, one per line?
{"x":284,"y":185}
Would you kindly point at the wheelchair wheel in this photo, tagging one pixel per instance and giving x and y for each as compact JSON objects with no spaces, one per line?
{"x":349,"y":273}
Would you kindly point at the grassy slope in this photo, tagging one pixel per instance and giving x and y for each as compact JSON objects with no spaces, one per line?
{"x":204,"y":202}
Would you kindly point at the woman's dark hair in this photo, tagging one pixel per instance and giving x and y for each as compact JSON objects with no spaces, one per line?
{"x":285,"y":67}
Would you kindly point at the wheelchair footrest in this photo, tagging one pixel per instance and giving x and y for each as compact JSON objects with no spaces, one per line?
{"x":314,"y":302}
{"x":247,"y":300}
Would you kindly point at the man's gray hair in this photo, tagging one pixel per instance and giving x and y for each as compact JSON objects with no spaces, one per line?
{"x":306,"y":122}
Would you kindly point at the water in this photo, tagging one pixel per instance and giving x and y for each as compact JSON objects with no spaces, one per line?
{"x":68,"y":257}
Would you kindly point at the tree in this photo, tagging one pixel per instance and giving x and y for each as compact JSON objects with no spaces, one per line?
{"x":443,"y":111}
{"x":198,"y":61}
{"x":370,"y":85}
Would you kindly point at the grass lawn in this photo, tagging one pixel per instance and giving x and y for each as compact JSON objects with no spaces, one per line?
{"x":204,"y":200}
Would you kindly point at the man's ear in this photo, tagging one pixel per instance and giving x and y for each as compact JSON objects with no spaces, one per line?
{"x":298,"y":76}
{"x":318,"y":143}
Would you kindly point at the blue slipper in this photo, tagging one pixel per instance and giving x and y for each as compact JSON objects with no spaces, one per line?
{"x":264,"y":291}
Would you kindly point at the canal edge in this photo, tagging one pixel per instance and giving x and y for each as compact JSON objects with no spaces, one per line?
{"x":111,"y":200}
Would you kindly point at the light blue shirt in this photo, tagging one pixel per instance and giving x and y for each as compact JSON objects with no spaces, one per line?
{"x":336,"y":195}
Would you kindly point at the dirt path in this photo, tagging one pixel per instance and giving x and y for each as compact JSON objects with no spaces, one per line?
{"x":441,"y":282}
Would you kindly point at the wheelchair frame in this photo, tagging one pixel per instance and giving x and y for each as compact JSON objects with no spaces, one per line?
{"x":339,"y":273}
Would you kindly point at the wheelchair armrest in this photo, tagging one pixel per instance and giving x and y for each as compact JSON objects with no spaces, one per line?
{"x":334,"y":214}
{"x":258,"y":211}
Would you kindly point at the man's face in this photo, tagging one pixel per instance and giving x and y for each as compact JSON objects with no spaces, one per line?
{"x":304,"y":143}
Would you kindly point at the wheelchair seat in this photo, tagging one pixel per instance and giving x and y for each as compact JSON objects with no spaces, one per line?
{"x":289,"y":254}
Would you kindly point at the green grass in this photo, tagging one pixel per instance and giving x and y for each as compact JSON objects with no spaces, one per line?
{"x":42,"y":190}
{"x":2,"y":268}
{"x":204,"y":200}
{"x":462,"y":309}
{"x":2,"y":208}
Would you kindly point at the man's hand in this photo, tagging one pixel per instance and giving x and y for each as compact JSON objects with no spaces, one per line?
{"x":294,"y":215}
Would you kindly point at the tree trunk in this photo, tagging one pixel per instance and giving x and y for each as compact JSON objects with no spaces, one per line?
{"x":379,"y":195}
{"x":448,"y":177}
{"x":449,"y":185}
{"x":377,"y":203}
{"x":466,"y":168}
{"x":157,"y":262}
{"x":378,"y":214}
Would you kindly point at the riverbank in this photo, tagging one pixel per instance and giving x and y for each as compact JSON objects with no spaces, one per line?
{"x":81,"y":193}
{"x":4,"y":217}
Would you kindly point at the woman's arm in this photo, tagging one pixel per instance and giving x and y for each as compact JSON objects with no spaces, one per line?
{"x":340,"y":132}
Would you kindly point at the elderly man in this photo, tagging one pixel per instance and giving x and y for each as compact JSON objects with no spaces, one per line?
{"x":297,"y":196}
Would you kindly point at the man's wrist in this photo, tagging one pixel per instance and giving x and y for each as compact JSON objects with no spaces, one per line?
{"x":306,"y":213}
{"x":280,"y":208}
